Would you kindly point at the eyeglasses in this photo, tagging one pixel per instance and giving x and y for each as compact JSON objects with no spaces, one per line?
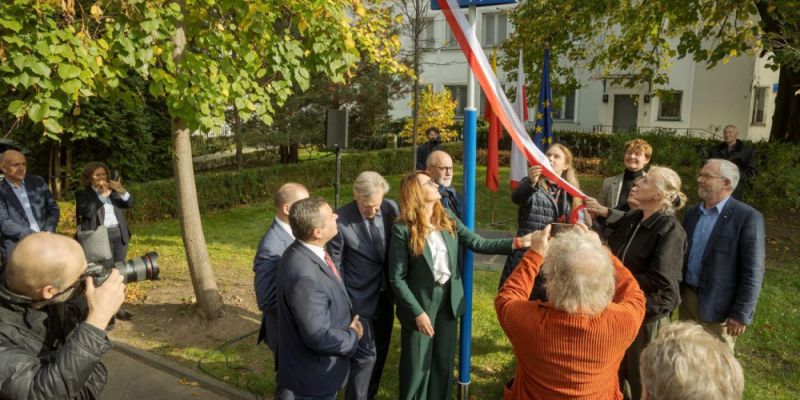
{"x":77,"y":285}
{"x":444,"y":168}
{"x":706,"y":177}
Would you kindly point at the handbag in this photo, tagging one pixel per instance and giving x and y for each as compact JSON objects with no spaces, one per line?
{"x":95,"y":244}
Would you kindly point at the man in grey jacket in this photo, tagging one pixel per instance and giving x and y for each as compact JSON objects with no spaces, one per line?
{"x":48,"y":352}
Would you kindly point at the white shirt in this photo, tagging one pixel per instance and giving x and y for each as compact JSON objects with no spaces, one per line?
{"x":285,"y":227}
{"x":318,"y":251}
{"x":109,"y":218}
{"x":441,"y":261}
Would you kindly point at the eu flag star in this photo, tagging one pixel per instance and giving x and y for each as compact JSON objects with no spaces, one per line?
{"x":539,"y":116}
{"x":539,"y":129}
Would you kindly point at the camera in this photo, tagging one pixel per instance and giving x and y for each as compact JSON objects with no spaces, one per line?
{"x":134,"y":270}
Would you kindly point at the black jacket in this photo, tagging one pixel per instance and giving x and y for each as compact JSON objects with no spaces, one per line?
{"x":48,"y":357}
{"x":653,"y":251}
{"x":424,"y":150}
{"x":90,"y":211}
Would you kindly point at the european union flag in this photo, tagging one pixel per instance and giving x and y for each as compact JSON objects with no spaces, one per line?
{"x":543,"y":128}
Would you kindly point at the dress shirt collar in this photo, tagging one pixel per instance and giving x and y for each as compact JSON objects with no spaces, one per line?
{"x":284,"y":226}
{"x":719,"y":206}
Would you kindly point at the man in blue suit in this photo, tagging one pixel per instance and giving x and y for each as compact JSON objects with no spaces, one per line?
{"x":26,"y":204}
{"x":275,"y":241}
{"x":317,"y":329}
{"x":360,"y":251}
{"x":724,"y":264}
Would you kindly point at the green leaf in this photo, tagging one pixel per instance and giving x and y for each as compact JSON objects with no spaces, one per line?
{"x":16,"y":108}
{"x":41,"y":68}
{"x":68,"y":71}
{"x":71,"y":86}
{"x":37,"y":111}
{"x":11,"y":24}
{"x":52,"y":126}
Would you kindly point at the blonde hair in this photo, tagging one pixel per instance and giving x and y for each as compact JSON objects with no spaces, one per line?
{"x":412,"y":213}
{"x":568,"y":175}
{"x":685,"y":362}
{"x":579,"y":274}
{"x":668,"y":183}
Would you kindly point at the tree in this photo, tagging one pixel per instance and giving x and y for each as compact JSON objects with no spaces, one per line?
{"x":436,"y":110}
{"x":200,"y":56}
{"x":640,"y":39}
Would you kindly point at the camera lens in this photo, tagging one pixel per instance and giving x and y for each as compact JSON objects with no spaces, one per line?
{"x":139,"y":269}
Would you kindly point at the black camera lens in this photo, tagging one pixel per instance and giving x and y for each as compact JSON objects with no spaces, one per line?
{"x":139,"y":269}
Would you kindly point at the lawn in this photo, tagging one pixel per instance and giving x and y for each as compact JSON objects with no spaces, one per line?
{"x":166,"y":321}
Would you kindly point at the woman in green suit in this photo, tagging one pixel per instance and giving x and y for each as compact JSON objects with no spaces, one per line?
{"x":427,"y":284}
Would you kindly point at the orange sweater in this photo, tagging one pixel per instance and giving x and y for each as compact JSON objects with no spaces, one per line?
{"x":561,"y":355}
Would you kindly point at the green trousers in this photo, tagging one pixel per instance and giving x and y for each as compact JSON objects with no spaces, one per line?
{"x":426,"y":363}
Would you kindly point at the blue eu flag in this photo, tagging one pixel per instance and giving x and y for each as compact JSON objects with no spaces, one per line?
{"x":543,"y":128}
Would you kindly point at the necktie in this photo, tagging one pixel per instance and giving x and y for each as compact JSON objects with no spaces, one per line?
{"x":377,"y":240}
{"x":331,"y":266}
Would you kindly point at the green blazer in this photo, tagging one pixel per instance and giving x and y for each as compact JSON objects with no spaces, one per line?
{"x":411,"y":276}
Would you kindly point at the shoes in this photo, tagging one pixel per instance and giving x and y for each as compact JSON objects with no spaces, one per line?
{"x":123,"y":315}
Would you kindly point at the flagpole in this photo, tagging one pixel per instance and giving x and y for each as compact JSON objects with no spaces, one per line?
{"x":470,"y":155}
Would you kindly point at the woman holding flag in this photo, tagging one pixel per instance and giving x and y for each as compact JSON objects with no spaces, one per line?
{"x":542,"y":202}
{"x":426,"y":280}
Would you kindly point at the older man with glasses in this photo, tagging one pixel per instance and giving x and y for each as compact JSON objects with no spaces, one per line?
{"x":440,"y":169}
{"x":724,"y":264}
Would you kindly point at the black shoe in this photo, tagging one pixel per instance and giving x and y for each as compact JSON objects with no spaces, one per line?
{"x":123,"y":315}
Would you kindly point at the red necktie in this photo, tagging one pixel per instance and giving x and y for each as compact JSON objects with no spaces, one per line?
{"x":331,"y":266}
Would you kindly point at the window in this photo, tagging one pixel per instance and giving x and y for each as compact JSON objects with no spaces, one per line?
{"x":566,"y":111}
{"x":450,"y":40}
{"x":669,"y":108}
{"x":459,"y":93}
{"x":495,"y":28}
{"x":427,"y":38}
{"x":759,"y":98}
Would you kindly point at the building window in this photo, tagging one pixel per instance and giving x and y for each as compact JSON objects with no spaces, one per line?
{"x":427,"y":38}
{"x":495,"y":29}
{"x":669,"y":108}
{"x":566,"y":111}
{"x":759,"y":100}
{"x":459,"y":93}
{"x":450,"y":39}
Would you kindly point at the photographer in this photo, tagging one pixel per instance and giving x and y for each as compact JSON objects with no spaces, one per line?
{"x":47,"y":352}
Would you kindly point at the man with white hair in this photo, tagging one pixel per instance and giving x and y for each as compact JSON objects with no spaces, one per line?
{"x":724,"y":264}
{"x":571,"y":346}
{"x":440,"y":169}
{"x":359,"y":249}
{"x":685,"y":362}
{"x":739,"y":153}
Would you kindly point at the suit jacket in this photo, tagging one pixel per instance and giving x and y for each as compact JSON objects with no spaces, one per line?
{"x":732,"y":267}
{"x":14,"y":224}
{"x":91,"y":213}
{"x":314,"y":314}
{"x":364,"y":273}
{"x":411,"y":276}
{"x":265,"y":266}
{"x":609,"y":194}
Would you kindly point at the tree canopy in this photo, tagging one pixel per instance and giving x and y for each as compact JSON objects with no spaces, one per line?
{"x":637,"y":41}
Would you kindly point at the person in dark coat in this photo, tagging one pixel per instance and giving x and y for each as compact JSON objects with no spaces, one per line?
{"x":424,"y":150}
{"x":651,"y":243}
{"x":739,"y":153}
{"x":541,"y":203}
{"x":359,"y":249}
{"x":102,"y":202}
{"x":48,"y":352}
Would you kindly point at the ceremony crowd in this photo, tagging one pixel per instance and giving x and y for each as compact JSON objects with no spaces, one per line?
{"x":587,"y":297}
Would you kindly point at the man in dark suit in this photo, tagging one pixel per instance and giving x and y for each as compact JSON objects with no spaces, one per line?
{"x":360,"y":251}
{"x":424,"y":150}
{"x":317,"y":330}
{"x":275,"y":241}
{"x":440,"y":169}
{"x":724,"y":265}
{"x":26,"y":204}
{"x":739,"y":153}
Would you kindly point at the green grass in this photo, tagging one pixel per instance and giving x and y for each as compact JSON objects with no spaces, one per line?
{"x":767,"y":350}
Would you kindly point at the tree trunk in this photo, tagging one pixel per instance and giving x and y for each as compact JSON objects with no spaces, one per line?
{"x":289,"y":153}
{"x":786,"y":119}
{"x":194,"y":241}
{"x":68,"y":167}
{"x":237,"y":137}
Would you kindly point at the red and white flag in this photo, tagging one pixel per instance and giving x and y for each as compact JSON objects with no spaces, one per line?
{"x":479,"y":65}
{"x":519,"y":165}
{"x":492,"y":140}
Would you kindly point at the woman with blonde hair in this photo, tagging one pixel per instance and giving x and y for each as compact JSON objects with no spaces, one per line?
{"x":542,"y":202}
{"x":426,"y":280}
{"x":651,"y":243}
